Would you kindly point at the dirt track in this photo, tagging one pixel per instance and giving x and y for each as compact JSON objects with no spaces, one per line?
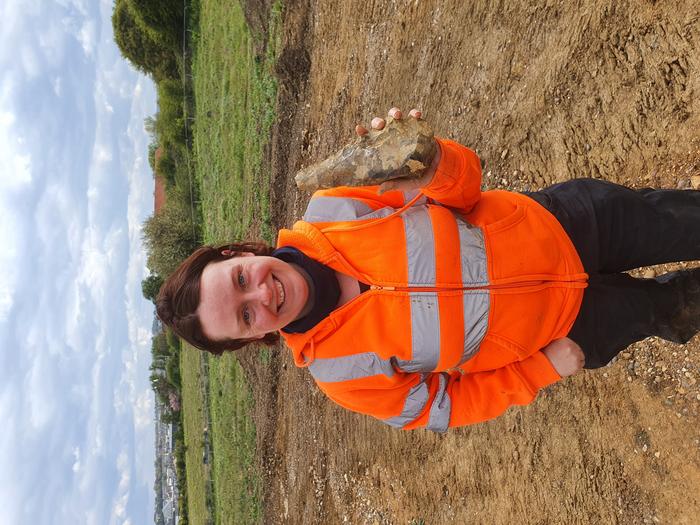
{"x":544,"y":94}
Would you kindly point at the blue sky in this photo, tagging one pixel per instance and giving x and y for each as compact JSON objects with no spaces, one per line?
{"x":75,"y":188}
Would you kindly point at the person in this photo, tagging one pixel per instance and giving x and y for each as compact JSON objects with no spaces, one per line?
{"x":429,"y":303}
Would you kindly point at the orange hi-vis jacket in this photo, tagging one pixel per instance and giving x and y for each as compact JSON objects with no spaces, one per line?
{"x":466,"y":288}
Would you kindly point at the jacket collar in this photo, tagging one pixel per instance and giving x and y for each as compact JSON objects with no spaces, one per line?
{"x":307,"y":238}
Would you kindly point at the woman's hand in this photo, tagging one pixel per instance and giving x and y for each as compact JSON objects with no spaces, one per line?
{"x":402,"y":184}
{"x":565,"y":355}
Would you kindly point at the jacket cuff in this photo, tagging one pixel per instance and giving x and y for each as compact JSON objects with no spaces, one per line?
{"x":539,"y":370}
{"x":448,"y":169}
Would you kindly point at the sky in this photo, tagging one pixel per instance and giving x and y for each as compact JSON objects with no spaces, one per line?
{"x":75,"y":187}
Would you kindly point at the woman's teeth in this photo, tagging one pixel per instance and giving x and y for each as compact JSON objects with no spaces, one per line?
{"x":280,"y":293}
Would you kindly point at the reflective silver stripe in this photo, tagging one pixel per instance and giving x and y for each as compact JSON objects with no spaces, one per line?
{"x":415,"y":403}
{"x":329,"y":209}
{"x":354,"y":366}
{"x":472,"y":254}
{"x":475,"y":303}
{"x":439,"y":418}
{"x":475,"y":307}
{"x":425,"y":333}
{"x":425,"y":314}
{"x":408,"y":195}
{"x":420,"y":246}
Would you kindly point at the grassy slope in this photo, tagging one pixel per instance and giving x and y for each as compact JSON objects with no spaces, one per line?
{"x":235,"y":110}
{"x":194,"y":424}
{"x":235,"y":98}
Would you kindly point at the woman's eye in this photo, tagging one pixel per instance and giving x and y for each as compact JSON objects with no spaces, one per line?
{"x":241,"y":280}
{"x":246,"y":315}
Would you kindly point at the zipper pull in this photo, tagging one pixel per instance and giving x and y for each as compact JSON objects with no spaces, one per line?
{"x":377,"y":287}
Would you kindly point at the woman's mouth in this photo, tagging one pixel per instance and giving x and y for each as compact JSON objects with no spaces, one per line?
{"x":280,"y":293}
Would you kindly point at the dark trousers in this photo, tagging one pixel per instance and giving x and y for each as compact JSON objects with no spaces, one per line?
{"x":615,"y":229}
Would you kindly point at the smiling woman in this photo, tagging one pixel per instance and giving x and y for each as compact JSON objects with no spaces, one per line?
{"x":180,"y":297}
{"x":249,"y":296}
{"x":434,"y":304}
{"x":223,"y":298}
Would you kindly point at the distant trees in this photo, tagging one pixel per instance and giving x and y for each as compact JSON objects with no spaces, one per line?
{"x":151,"y":35}
{"x":172,"y":232}
{"x":150,"y":51}
{"x":158,"y":517}
{"x":150,"y":287}
{"x":180,"y":449}
{"x":169,"y":122}
{"x":169,"y":237}
{"x":165,"y":374}
{"x":169,"y":126}
{"x":164,"y":18}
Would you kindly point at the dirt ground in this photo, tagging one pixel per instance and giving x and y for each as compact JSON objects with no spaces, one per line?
{"x":545,"y":93}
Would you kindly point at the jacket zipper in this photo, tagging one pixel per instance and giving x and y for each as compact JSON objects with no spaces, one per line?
{"x":459,"y":288}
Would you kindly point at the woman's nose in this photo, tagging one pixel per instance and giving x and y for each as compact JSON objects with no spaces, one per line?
{"x":263,"y":293}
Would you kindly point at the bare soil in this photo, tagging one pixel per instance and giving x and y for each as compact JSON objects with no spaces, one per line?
{"x":545,"y":93}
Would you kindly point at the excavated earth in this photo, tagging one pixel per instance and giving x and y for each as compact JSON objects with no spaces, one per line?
{"x":544,"y":92}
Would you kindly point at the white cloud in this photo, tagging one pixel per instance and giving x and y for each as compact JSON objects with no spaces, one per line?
{"x":15,"y":162}
{"x":81,"y":6}
{"x":30,"y":61}
{"x":55,"y":212}
{"x":102,"y":154}
{"x":76,"y":456}
{"x":8,"y":275}
{"x":74,"y":316}
{"x":6,"y":300}
{"x":57,"y":85}
{"x":93,"y":272}
{"x":123,"y":467}
{"x":143,"y":409}
{"x":97,"y":265}
{"x":87,"y":37}
{"x":122,"y":500}
{"x":52,"y":41}
{"x":15,"y":167}
{"x":74,"y":188}
{"x":41,"y":396}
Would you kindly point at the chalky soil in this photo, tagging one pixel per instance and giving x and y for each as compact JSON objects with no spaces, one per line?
{"x":545,"y":91}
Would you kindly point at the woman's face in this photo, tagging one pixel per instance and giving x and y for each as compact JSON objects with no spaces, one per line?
{"x":246,"y":297}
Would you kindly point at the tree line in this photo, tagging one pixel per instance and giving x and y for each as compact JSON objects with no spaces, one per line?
{"x":157,"y":36}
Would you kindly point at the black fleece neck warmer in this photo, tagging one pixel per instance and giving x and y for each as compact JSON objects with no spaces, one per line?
{"x":325,"y":290}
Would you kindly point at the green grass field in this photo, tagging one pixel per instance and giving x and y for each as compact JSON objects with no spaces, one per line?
{"x":193,"y":410}
{"x":235,"y":109}
{"x":236,"y":482}
{"x":235,"y":97}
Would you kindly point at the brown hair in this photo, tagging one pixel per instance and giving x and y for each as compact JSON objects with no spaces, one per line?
{"x":178,"y":298}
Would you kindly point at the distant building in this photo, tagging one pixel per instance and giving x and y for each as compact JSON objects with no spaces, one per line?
{"x":174,"y":402}
{"x":157,"y":325}
{"x":167,"y":478}
{"x":169,"y":511}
